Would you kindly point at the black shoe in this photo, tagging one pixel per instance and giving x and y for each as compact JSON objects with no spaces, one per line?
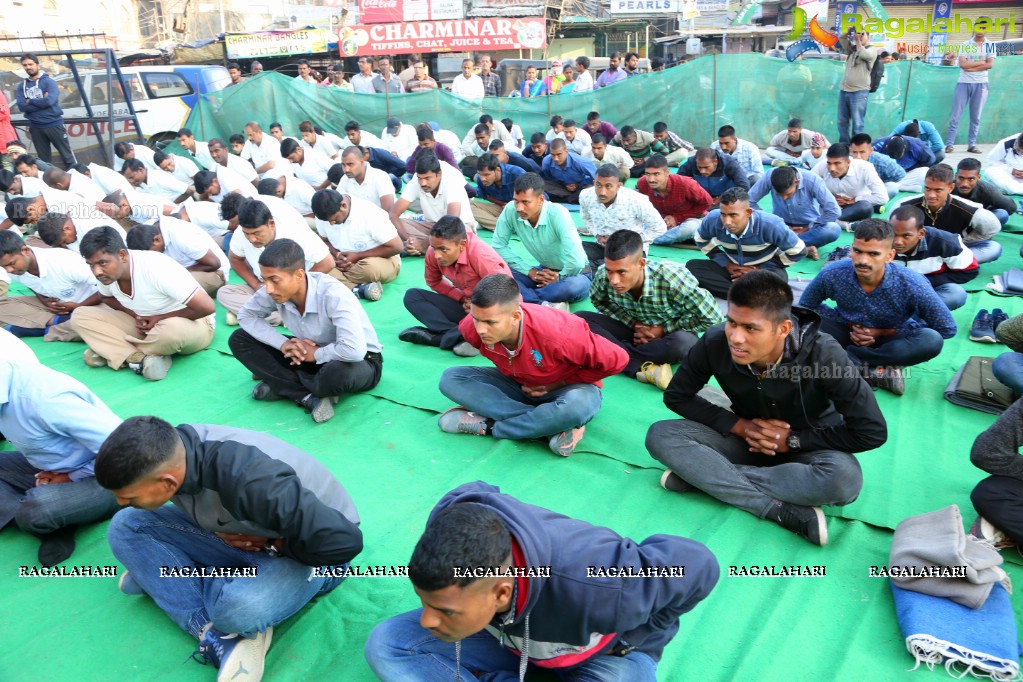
{"x":887,"y":379}
{"x":263,"y":392}
{"x":322,"y":409}
{"x":56,"y":546}
{"x":807,"y":522}
{"x":421,"y":336}
{"x":675,"y":483}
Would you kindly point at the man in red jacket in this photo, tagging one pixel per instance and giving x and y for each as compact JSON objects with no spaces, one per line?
{"x":547,"y":378}
{"x":678,"y":198}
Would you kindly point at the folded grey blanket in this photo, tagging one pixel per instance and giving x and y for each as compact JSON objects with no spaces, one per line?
{"x":931,"y":554}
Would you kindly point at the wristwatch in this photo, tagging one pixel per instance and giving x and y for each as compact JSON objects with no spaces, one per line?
{"x":792,"y":441}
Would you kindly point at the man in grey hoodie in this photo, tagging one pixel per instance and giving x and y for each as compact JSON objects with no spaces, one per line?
{"x":37,"y":99}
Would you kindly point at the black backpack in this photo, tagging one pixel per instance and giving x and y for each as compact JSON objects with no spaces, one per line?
{"x":876,"y":74}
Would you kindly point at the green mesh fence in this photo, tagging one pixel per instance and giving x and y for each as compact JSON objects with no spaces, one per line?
{"x":754,"y":93}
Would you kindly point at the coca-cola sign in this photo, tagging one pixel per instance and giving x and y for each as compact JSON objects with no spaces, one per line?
{"x":396,"y":11}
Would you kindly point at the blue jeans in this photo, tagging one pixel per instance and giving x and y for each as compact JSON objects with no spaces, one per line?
{"x":227,"y":242}
{"x":851,"y":106}
{"x":1008,"y":368}
{"x":953,"y":295}
{"x":724,"y":468}
{"x":899,"y":350}
{"x":486,"y":391}
{"x":986,"y":250}
{"x":567,"y":290}
{"x":976,"y":95}
{"x":821,"y":234}
{"x":858,"y":210}
{"x":45,"y":508}
{"x":1001,"y":214}
{"x":679,"y":233}
{"x":144,"y":541}
{"x":400,"y":649}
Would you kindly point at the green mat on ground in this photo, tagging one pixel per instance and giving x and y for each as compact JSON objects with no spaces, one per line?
{"x":386,"y":448}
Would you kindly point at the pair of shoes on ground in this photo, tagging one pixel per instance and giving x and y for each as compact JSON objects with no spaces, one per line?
{"x":985,"y":530}
{"x":321,"y":409}
{"x":807,"y":522}
{"x":152,"y":367}
{"x":460,"y":420}
{"x":985,"y":325}
{"x":424,"y":337}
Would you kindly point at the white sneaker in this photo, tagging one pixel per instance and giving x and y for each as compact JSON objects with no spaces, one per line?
{"x":562,"y":306}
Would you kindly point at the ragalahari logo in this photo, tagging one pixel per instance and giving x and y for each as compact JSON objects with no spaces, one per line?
{"x":819,"y":36}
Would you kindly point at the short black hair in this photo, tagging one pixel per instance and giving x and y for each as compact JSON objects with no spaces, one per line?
{"x":942,"y":172}
{"x":122,"y":148}
{"x":424,"y":133}
{"x":732,"y":195}
{"x":537,"y":137}
{"x":795,"y":123}
{"x":660,"y":127}
{"x":427,"y":163}
{"x":352,"y":125}
{"x":558,"y":143}
{"x":912,"y":128}
{"x":283,"y":254}
{"x":706,"y":154}
{"x":134,"y":450}
{"x":237,"y":137}
{"x":584,"y":60}
{"x":488,"y":161}
{"x":231,"y":205}
{"x":495,"y":145}
{"x":26,"y":159}
{"x":874,"y":229}
{"x":134,"y":165}
{"x":185,"y":132}
{"x":326,"y":202}
{"x":655,"y":161}
{"x":216,"y":142}
{"x":593,"y":116}
{"x":508,"y":123}
{"x":233,"y":65}
{"x":556,"y":120}
{"x":627,"y":131}
{"x":496,"y":289}
{"x":909,"y":212}
{"x":462,"y":535}
{"x":480,"y":128}
{"x":726,"y":131}
{"x":288,"y":146}
{"x":861,"y":138}
{"x":30,"y":57}
{"x":337,"y":171}
{"x":969,"y":164}
{"x":6,"y":179}
{"x":10,"y":242}
{"x":253,"y":213}
{"x":50,"y":226}
{"x":141,"y":236}
{"x":783,"y":177}
{"x":103,"y":238}
{"x":764,"y":291}
{"x":203,"y":179}
{"x":622,"y":244}
{"x":608,"y":170}
{"x":268,"y":186}
{"x":158,"y":157}
{"x":529,"y":181}
{"x":598,"y":138}
{"x":838,"y":150}
{"x":450,"y":228}
{"x":17,"y":210}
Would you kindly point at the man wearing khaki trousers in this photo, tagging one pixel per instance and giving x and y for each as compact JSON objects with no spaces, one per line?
{"x":189,"y":245}
{"x":151,"y":308}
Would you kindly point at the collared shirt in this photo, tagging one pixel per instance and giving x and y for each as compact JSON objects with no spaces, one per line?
{"x":887,"y":169}
{"x":928,"y":134}
{"x":471,"y":87}
{"x":580,"y":145}
{"x":554,"y":242}
{"x":506,"y":192}
{"x":54,"y":421}
{"x":609,"y":77}
{"x":671,"y":297}
{"x":269,"y":149}
{"x":363,"y":84}
{"x":458,"y":280}
{"x":375,"y":185}
{"x":184,"y":170}
{"x":162,"y":184}
{"x":314,"y":166}
{"x":393,"y":84}
{"x":629,"y":211}
{"x":861,"y":181}
{"x":421,"y":84}
{"x":684,"y":199}
{"x":491,"y":84}
{"x":746,"y":154}
{"x":901,"y":296}
{"x":577,"y":171}
{"x":616,"y":156}
{"x":366,"y":227}
{"x":766,"y":238}
{"x":583,"y":81}
{"x":333,"y":319}
{"x":812,"y":204}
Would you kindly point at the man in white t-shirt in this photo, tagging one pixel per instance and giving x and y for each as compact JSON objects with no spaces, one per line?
{"x":188,"y":246}
{"x":305,"y":73}
{"x":62,"y":216}
{"x":365,"y":182}
{"x":108,"y":180}
{"x":20,"y":185}
{"x":225,"y":159}
{"x":467,"y":84}
{"x":152,"y":309}
{"x":181,"y":168}
{"x":399,"y":138}
{"x":296,"y":192}
{"x":311,"y":140}
{"x":356,"y":135}
{"x":156,"y":182}
{"x":307,"y":163}
{"x":437,"y":196}
{"x":206,"y":215}
{"x":600,"y":153}
{"x":60,"y":281}
{"x":126,"y":150}
{"x":976,"y":58}
{"x":199,"y":151}
{"x":264,"y":151}
{"x":215,"y":185}
{"x":74,"y":182}
{"x":259,"y":225}
{"x":364,"y":243}
{"x":136,"y":206}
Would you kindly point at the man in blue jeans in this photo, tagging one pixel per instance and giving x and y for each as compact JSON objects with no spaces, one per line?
{"x":799,"y":409}
{"x":855,"y":85}
{"x":258,"y":528}
{"x":547,"y":379}
{"x":885,"y":316}
{"x":508,"y":588}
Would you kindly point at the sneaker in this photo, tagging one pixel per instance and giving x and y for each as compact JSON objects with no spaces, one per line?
{"x":997,"y":317}
{"x":152,"y":367}
{"x":464,"y":349}
{"x":845,"y":225}
{"x":949,"y":149}
{"x":460,"y":420}
{"x":565,"y":442}
{"x":779,"y":162}
{"x":560,"y":305}
{"x":675,"y":483}
{"x":983,"y":529}
{"x":806,"y":522}
{"x":652,"y":373}
{"x":887,"y":379}
{"x":982,"y":330}
{"x":93,"y":359}
{"x":127,"y":585}
{"x":973,"y":149}
{"x":321,"y":409}
{"x":370,"y":291}
{"x":231,"y":319}
{"x":420,"y":335}
{"x":264,"y":393}
{"x":240,"y":659}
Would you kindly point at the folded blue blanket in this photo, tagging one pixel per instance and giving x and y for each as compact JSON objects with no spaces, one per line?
{"x":980,"y":642}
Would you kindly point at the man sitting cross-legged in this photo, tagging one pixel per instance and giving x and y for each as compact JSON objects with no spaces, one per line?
{"x":190,"y":246}
{"x":802,"y":200}
{"x":653,"y":310}
{"x":886,"y":316}
{"x":608,"y":206}
{"x":334,"y":350}
{"x":565,"y":173}
{"x":679,"y":199}
{"x":854,"y":183}
{"x":438,"y":195}
{"x":990,"y":196}
{"x":939,"y":256}
{"x":583,"y":629}
{"x":257,"y":529}
{"x":151,"y":308}
{"x":998,"y":498}
{"x":799,"y":409}
{"x":455,"y":263}
{"x":547,"y":375}
{"x":495,"y":182}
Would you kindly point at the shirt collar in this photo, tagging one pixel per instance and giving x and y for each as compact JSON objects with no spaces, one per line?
{"x":311,"y":289}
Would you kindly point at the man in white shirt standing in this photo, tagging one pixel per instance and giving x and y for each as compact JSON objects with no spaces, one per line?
{"x":975,"y":60}
{"x":264,"y":151}
{"x":152,"y":309}
{"x":363,"y":81}
{"x":189,"y":246}
{"x":363,"y":181}
{"x":437,"y":196}
{"x":467,"y":84}
{"x":583,"y":77}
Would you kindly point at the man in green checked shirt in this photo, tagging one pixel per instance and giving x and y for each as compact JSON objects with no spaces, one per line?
{"x":652,"y":310}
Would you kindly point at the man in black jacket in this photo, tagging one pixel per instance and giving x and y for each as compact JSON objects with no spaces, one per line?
{"x":970,"y":186}
{"x":799,"y":408}
{"x":258,"y":528}
{"x":715,"y":172}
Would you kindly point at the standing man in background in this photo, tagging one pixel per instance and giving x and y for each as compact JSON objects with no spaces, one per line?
{"x":855,"y":86}
{"x":37,"y":99}
{"x":975,"y":59}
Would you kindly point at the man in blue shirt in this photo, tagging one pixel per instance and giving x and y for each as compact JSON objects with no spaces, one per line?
{"x":926,"y":133}
{"x":738,"y":240}
{"x":56,"y":426}
{"x":495,"y":182}
{"x":801,"y":199}
{"x":879,"y":308}
{"x":914,"y":156}
{"x":715,"y":172}
{"x":565,"y":174}
{"x":511,"y":157}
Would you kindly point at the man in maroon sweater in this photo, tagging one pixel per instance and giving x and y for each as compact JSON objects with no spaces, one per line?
{"x":548,"y":373}
{"x":679,"y":199}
